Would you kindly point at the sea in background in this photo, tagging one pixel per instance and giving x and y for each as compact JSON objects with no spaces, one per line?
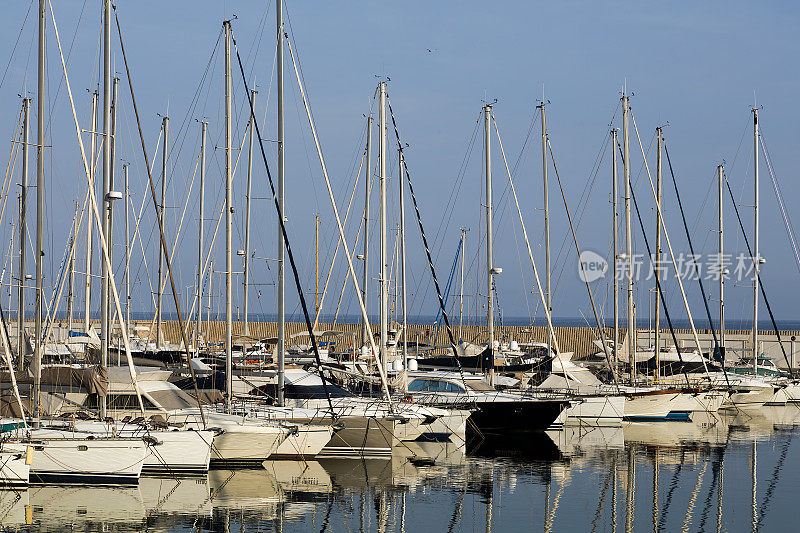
{"x":678,"y":323}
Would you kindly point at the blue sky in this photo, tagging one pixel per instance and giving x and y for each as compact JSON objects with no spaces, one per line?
{"x":696,"y":66}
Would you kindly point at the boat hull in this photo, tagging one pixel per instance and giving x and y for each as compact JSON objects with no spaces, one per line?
{"x":361,"y":437}
{"x":306,"y":443}
{"x":502,"y":417}
{"x":245,"y":445}
{"x":594,"y":411}
{"x":185,"y":453}
{"x":14,"y":466}
{"x":452,"y":425}
{"x":652,"y":405}
{"x":748,"y":397}
{"x":112,"y":461}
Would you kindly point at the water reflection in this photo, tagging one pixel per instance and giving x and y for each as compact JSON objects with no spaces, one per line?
{"x":725,"y":472}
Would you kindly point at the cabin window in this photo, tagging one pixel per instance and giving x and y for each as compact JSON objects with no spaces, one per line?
{"x":419,"y":385}
{"x":118,"y":401}
{"x":452,"y":387}
{"x":434,"y":385}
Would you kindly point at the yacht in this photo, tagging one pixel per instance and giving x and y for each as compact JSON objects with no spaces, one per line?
{"x":494,"y":412}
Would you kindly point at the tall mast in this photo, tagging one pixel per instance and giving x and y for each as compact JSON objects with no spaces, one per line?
{"x":40,"y":104}
{"x":400,"y":176}
{"x":615,"y":253}
{"x":162,"y":250}
{"x":461,"y":295}
{"x":23,"y":216}
{"x":756,"y":256}
{"x":722,"y":272}
{"x":487,"y":117}
{"x":384,"y":282}
{"x":316,"y":265}
{"x":201,"y":220}
{"x":281,"y":205}
{"x":628,"y":239}
{"x":657,"y":261}
{"x":71,"y":288}
{"x":546,"y":223}
{"x":87,"y":300}
{"x":246,"y":269}
{"x":228,"y":218}
{"x":106,"y":139}
{"x":127,"y":250}
{"x":368,"y":183}
{"x":112,"y":198}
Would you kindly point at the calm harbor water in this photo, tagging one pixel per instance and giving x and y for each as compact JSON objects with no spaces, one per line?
{"x":727,"y":472}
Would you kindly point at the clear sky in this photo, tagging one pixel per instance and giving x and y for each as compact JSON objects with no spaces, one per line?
{"x":697,"y":66}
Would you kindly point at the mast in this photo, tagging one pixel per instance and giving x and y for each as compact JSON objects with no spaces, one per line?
{"x":756,"y":257}
{"x":23,"y":216}
{"x":461,"y":295}
{"x":487,"y":116}
{"x":368,"y":182}
{"x":40,"y":111}
{"x":281,"y":206}
{"x":87,"y":300}
{"x":114,"y":196}
{"x":384,"y":282}
{"x":316,"y":266}
{"x":546,"y":223}
{"x":246,"y":269}
{"x":628,"y":239}
{"x":657,"y":262}
{"x":614,"y":224}
{"x":722,"y":272}
{"x":162,"y":249}
{"x":201,"y":220}
{"x":106,"y":210}
{"x":127,"y":251}
{"x":228,"y":218}
{"x":70,"y":290}
{"x":403,"y":257}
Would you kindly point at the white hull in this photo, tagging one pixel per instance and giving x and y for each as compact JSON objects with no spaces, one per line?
{"x":173,"y":452}
{"x":65,"y":457}
{"x":236,"y":439}
{"x":14,"y":465}
{"x":705,"y":401}
{"x":452,"y":425}
{"x":651,"y":406}
{"x":246,"y":444}
{"x":408,"y":429}
{"x":306,"y":443}
{"x":594,"y":411}
{"x":355,"y":435}
{"x":747,"y":397}
{"x":790,"y":393}
{"x":179,"y":453}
